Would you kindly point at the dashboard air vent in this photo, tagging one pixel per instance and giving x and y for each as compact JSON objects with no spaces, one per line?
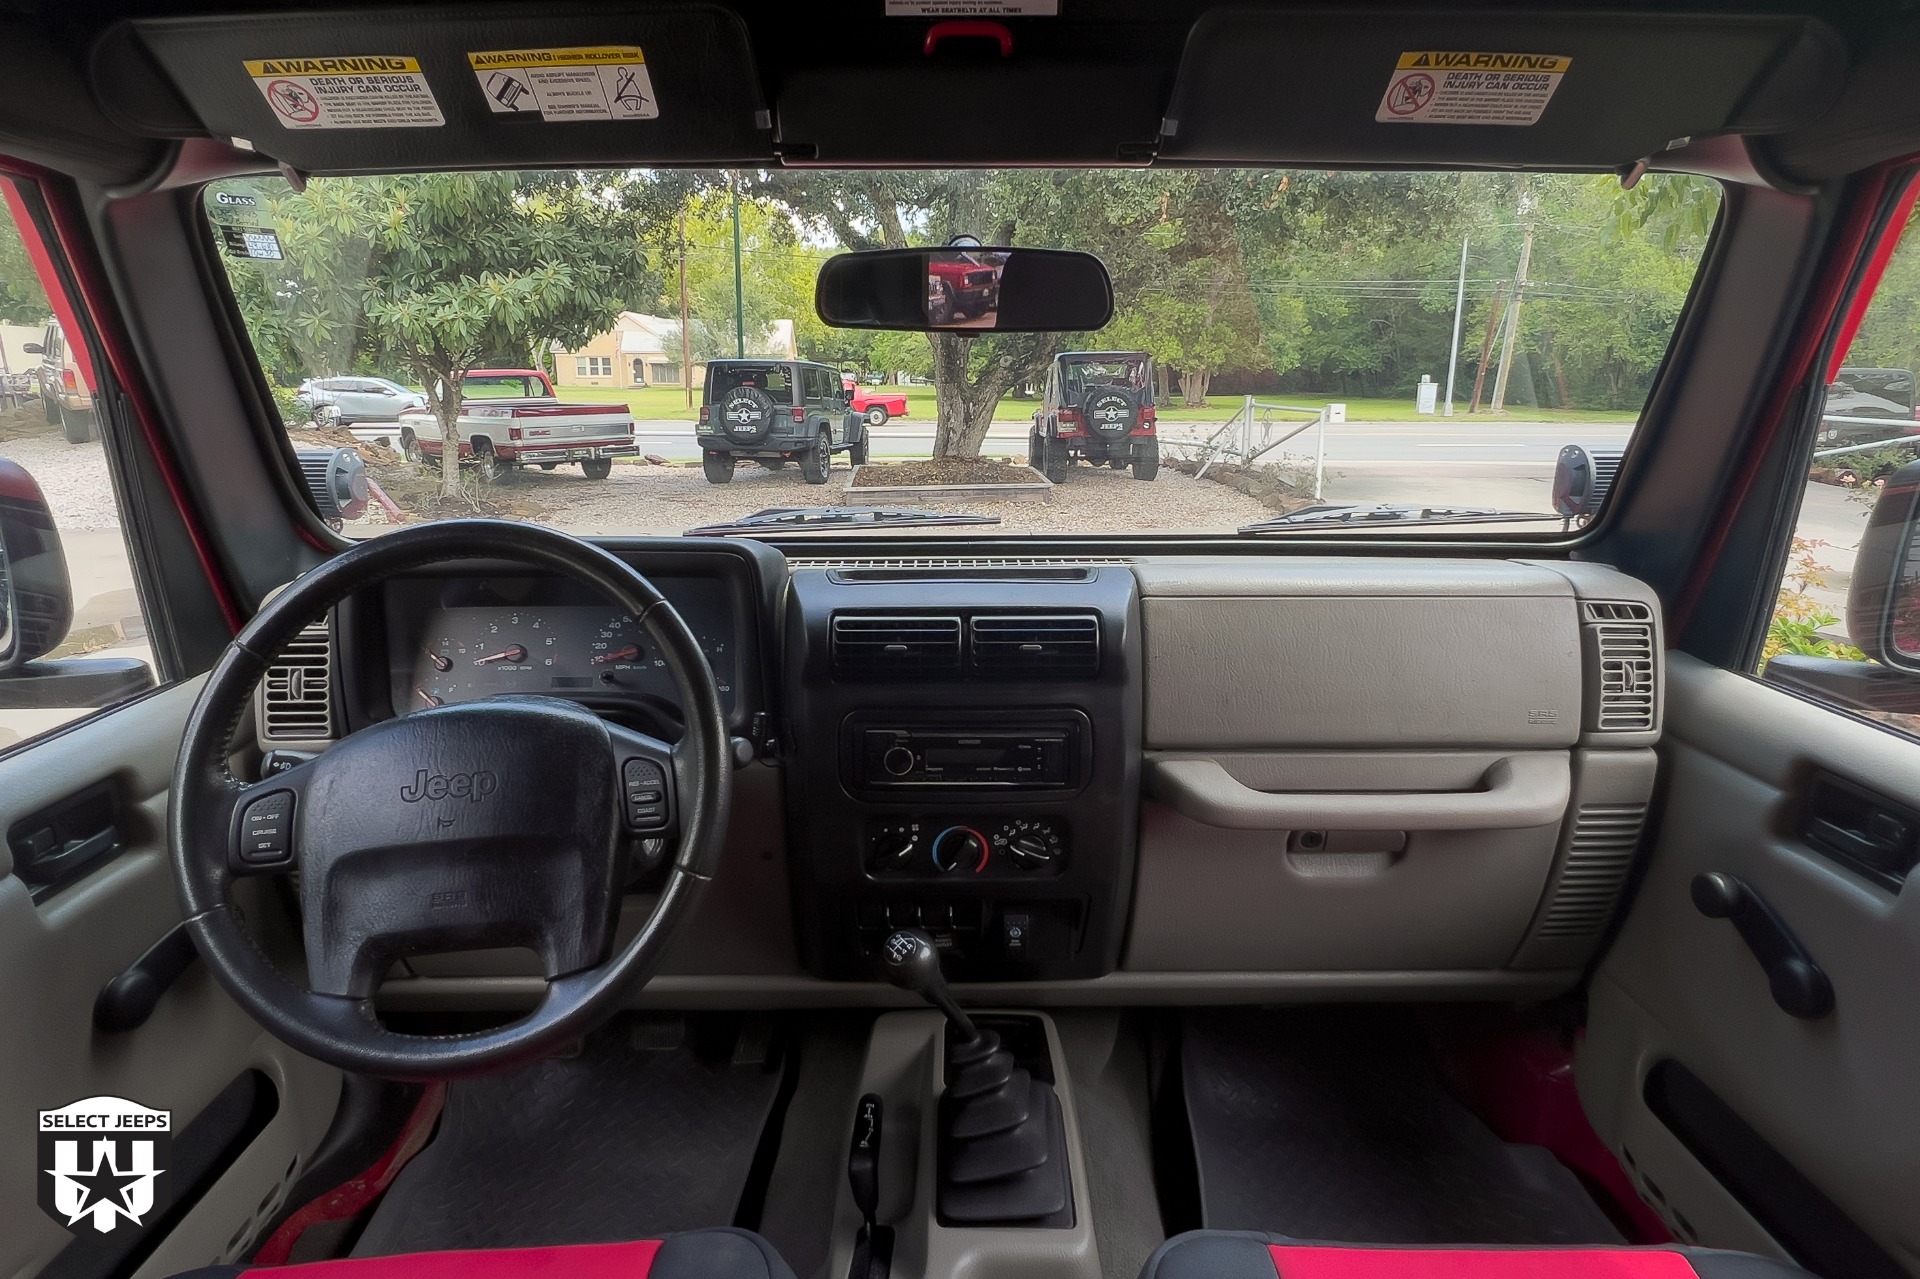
{"x":901,"y":646}
{"x":1036,"y":646}
{"x":1623,"y":667}
{"x":1599,"y":855}
{"x":297,"y":693}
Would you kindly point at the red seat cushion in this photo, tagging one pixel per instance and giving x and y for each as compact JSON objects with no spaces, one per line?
{"x":632,"y":1260}
{"x":1306,"y":1261}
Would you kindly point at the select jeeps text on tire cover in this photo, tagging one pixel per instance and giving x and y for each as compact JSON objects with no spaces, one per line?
{"x":1097,"y":406}
{"x":774,"y":412}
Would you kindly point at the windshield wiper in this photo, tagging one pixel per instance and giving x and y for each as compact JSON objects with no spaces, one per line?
{"x":1389,"y":514}
{"x":775,"y":519}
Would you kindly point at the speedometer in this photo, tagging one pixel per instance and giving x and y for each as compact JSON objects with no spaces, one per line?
{"x":617,"y":645}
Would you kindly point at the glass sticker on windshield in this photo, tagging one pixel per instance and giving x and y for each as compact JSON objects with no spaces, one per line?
{"x":608,"y":82}
{"x":346,"y":93}
{"x":1429,"y":87}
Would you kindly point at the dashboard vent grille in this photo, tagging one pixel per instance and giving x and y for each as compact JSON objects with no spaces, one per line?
{"x":1622,"y":665}
{"x":298,"y":690}
{"x":1015,"y":646}
{"x":895,"y":647}
{"x":1618,"y":611}
{"x":1599,"y":855}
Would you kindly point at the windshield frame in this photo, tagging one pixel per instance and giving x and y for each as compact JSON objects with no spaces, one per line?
{"x":1001,"y":546}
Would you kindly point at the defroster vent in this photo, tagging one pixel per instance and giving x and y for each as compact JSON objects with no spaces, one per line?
{"x":896,"y":646}
{"x":1036,"y":646}
{"x":297,"y":693}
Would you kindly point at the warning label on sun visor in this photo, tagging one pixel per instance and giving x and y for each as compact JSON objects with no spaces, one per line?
{"x":1471,"y":88}
{"x":607,"y":82}
{"x":346,"y":93}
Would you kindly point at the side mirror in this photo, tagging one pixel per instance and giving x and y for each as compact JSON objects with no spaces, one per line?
{"x":965,"y":290}
{"x":33,"y":348}
{"x":1883,"y":599}
{"x":36,"y":612}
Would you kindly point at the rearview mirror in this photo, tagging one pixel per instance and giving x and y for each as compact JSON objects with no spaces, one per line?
{"x":1883,"y":599}
{"x":965,"y":290}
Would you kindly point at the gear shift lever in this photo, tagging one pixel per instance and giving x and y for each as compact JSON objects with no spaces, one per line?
{"x":910,"y":961}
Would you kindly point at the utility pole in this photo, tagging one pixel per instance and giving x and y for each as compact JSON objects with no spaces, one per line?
{"x":686,"y":337}
{"x":1494,"y":311}
{"x":1513,"y":324}
{"x":739,"y":294}
{"x":1459,"y":310}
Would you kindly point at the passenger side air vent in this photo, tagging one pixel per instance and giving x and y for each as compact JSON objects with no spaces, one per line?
{"x":1599,"y":854}
{"x":900,"y":646}
{"x":1036,"y":646}
{"x":1622,"y":667}
{"x":297,"y":693}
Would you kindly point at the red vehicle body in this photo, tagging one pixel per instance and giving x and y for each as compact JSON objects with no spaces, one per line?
{"x":874,"y":405}
{"x":511,"y":417}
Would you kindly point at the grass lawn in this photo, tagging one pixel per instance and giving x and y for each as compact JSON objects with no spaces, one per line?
{"x":669,"y":403}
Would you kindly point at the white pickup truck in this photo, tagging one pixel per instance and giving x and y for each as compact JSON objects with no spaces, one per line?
{"x":511,"y":417}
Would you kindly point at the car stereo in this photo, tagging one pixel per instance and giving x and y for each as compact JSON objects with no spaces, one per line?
{"x":1039,"y":757}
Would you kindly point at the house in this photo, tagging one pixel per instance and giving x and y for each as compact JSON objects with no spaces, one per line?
{"x":644,"y":350}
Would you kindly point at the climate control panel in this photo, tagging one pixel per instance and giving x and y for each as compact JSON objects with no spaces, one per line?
{"x":964,"y":847}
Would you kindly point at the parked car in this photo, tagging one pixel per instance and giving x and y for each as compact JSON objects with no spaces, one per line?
{"x":1096,"y":405}
{"x":511,"y":417}
{"x":774,"y":412}
{"x":961,"y":287}
{"x":355,"y":401}
{"x":1868,"y":393}
{"x":63,"y":386}
{"x":874,"y":406}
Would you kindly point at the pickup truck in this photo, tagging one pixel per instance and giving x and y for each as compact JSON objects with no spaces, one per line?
{"x":511,"y":417}
{"x":874,"y":405}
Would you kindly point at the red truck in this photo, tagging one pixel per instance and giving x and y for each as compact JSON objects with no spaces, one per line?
{"x":511,"y":417}
{"x":875,"y":406}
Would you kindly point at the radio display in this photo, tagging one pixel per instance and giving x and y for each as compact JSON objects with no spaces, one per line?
{"x":967,"y":756}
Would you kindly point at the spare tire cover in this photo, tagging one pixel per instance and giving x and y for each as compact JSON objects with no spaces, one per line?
{"x":1110,"y":411}
{"x":746,"y":415}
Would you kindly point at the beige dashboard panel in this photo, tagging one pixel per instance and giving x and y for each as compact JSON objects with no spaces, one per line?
{"x":1246,"y":654}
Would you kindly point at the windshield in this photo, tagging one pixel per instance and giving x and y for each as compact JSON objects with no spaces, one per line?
{"x":1396,"y":345}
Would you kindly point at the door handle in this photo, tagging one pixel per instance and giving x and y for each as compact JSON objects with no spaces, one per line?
{"x":1798,"y":985}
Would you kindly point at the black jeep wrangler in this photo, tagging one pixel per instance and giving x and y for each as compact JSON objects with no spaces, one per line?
{"x":773,"y":412}
{"x":1097,"y":405}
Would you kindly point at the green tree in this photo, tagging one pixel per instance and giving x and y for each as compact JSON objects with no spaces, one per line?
{"x":22,"y":300}
{"x":777,"y":272}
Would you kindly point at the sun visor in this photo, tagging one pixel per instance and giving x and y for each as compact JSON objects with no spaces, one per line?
{"x":493,"y":87}
{"x":1409,"y":88}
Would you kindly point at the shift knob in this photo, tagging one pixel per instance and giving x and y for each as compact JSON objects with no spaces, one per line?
{"x":909,"y":960}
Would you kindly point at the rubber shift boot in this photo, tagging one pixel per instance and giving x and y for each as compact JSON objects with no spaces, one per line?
{"x":1022,"y":1198}
{"x":992,"y":1112}
{"x":1018,"y":1149}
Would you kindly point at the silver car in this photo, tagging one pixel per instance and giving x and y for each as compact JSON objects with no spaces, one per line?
{"x":351,"y":400}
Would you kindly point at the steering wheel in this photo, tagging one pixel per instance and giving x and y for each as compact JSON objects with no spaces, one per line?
{"x":501,"y":822}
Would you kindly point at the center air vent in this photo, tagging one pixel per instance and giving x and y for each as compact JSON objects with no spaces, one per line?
{"x":1036,"y":646}
{"x":1622,"y":667}
{"x":297,"y":693}
{"x":895,"y":647}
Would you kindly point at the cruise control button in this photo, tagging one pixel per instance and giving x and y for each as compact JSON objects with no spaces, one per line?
{"x":266,"y":830}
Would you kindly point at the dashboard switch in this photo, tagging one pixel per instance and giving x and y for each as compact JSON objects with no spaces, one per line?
{"x":266,"y":830}
{"x":644,"y":784}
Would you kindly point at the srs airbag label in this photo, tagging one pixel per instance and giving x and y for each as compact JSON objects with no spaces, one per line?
{"x":601,"y":82}
{"x":1438,"y":87}
{"x":346,"y":93}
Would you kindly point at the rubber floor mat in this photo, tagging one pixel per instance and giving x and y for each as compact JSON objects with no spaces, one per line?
{"x":1332,"y":1123}
{"x":640,"y":1134}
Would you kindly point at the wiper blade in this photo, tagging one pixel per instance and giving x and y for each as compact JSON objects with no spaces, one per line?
{"x":774,"y":519}
{"x":1387,"y":514}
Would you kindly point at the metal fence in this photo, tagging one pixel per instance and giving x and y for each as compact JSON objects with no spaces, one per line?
{"x":1254,"y":430}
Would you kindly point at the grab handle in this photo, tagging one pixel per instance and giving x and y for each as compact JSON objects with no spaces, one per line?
{"x":1516,"y":792}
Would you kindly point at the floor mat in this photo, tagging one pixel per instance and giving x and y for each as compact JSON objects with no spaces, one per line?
{"x":651,"y":1128}
{"x":1333,"y":1124}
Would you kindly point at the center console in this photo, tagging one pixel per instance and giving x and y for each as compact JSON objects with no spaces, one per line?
{"x":963,"y":758}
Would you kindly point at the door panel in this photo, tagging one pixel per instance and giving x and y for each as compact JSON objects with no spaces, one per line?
{"x":1834,"y":1096}
{"x":56,"y":955}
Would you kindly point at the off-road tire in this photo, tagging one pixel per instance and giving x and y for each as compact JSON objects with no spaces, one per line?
{"x":817,"y":461}
{"x":876,"y":416}
{"x":80,"y":425}
{"x":1036,"y":449}
{"x":597,"y":468}
{"x":745,"y":415}
{"x":857,"y":451}
{"x":717,"y":465}
{"x":1146,"y":459}
{"x":1055,"y":461}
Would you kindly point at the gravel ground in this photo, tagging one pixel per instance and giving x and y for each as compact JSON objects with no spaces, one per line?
{"x":73,"y":476}
{"x":671,"y":499}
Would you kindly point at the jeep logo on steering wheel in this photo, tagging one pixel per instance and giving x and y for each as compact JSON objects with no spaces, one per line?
{"x":474,"y":786}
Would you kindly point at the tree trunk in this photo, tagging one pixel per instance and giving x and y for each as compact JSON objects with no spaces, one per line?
{"x":964,"y":405}
{"x":1193,"y":389}
{"x":446,"y":406}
